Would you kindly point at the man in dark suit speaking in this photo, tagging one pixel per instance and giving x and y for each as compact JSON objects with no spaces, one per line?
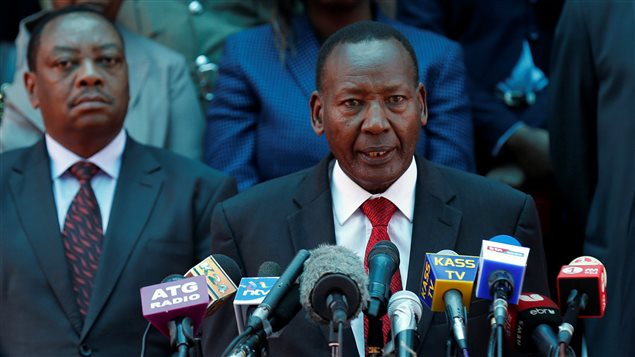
{"x":370,"y":106}
{"x":88,"y":215}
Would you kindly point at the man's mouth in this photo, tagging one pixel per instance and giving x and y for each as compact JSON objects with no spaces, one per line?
{"x":375,"y":154}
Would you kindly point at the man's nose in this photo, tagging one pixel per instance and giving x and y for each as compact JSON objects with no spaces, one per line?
{"x":88,"y":74}
{"x":375,"y":119}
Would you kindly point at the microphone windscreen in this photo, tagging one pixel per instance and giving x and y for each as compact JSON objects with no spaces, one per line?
{"x":269,"y":268}
{"x":221,"y":285}
{"x":230,"y":267}
{"x":505,"y":239}
{"x":404,"y":310}
{"x":332,"y":259}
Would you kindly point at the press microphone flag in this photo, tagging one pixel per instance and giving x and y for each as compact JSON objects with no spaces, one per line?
{"x":531,"y":324}
{"x":447,"y":284}
{"x":501,"y":254}
{"x":443,"y":272}
{"x":220,"y":273}
{"x":164,"y":302}
{"x":585,"y":275}
{"x":253,"y":290}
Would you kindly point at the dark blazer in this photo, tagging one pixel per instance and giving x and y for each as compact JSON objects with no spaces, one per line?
{"x":159,"y":225}
{"x":453,"y":210}
{"x":491,"y":33}
{"x":259,"y":127}
{"x":592,"y":125}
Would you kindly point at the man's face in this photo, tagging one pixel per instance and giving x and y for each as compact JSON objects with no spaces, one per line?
{"x":371,"y":111}
{"x":108,"y":8}
{"x":80,"y":79}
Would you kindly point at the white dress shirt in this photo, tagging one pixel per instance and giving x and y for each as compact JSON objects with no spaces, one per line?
{"x":352,"y":227}
{"x":66,"y":186}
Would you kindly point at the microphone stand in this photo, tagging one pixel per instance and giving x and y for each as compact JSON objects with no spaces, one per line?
{"x":182,"y":336}
{"x":375,"y":340}
{"x":336,"y":332}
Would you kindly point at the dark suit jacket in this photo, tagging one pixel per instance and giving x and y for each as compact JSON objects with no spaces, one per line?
{"x":491,"y":33}
{"x":258,"y":125}
{"x":592,"y":124}
{"x":159,"y":225}
{"x":453,"y":210}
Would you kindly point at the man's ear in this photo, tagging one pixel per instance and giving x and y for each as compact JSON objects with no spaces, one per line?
{"x":29,"y":84}
{"x":316,"y":113}
{"x":421,"y":96}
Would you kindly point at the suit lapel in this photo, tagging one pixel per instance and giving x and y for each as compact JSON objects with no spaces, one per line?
{"x":31,"y":187}
{"x":138,"y":187}
{"x":301,"y":59}
{"x":313,"y":225}
{"x":435,"y":227}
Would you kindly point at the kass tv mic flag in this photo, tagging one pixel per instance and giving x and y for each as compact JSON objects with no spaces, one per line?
{"x":165,"y":302}
{"x":448,"y":279}
{"x":446,"y":271}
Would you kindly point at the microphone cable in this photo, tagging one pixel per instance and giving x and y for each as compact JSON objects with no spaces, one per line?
{"x":144,"y":339}
{"x":248,"y":330}
{"x":492,"y":335}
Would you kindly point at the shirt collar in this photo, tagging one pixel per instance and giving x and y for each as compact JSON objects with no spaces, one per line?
{"x":107,"y":159}
{"x":348,"y":196}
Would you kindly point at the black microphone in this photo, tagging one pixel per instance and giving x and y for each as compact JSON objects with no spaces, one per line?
{"x":383,"y":262}
{"x":280,"y":317}
{"x":334,"y":285}
{"x":260,"y":318}
{"x":404,"y":310}
{"x":530,"y":326}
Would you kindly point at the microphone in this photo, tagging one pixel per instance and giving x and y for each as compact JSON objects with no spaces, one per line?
{"x":221,"y":274}
{"x":501,"y":271}
{"x":530,"y":325}
{"x":581,"y":293}
{"x":280,"y":317}
{"x":176,"y":307}
{"x":333,"y":287}
{"x":404,"y":310}
{"x":448,"y":279}
{"x":383,"y":262}
{"x":252,"y":291}
{"x":260,"y":318}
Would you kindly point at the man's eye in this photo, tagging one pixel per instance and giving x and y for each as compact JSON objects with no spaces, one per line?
{"x":396,"y":99}
{"x":109,"y":61}
{"x":352,"y":103}
{"x":64,"y":64}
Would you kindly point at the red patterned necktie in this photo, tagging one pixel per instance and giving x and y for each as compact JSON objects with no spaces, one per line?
{"x":83,"y":235}
{"x":379,"y":211}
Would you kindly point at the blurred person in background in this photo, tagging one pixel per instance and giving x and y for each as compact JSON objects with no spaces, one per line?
{"x":163,"y":108}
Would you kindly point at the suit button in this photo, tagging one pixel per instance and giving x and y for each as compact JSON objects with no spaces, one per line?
{"x":84,"y":350}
